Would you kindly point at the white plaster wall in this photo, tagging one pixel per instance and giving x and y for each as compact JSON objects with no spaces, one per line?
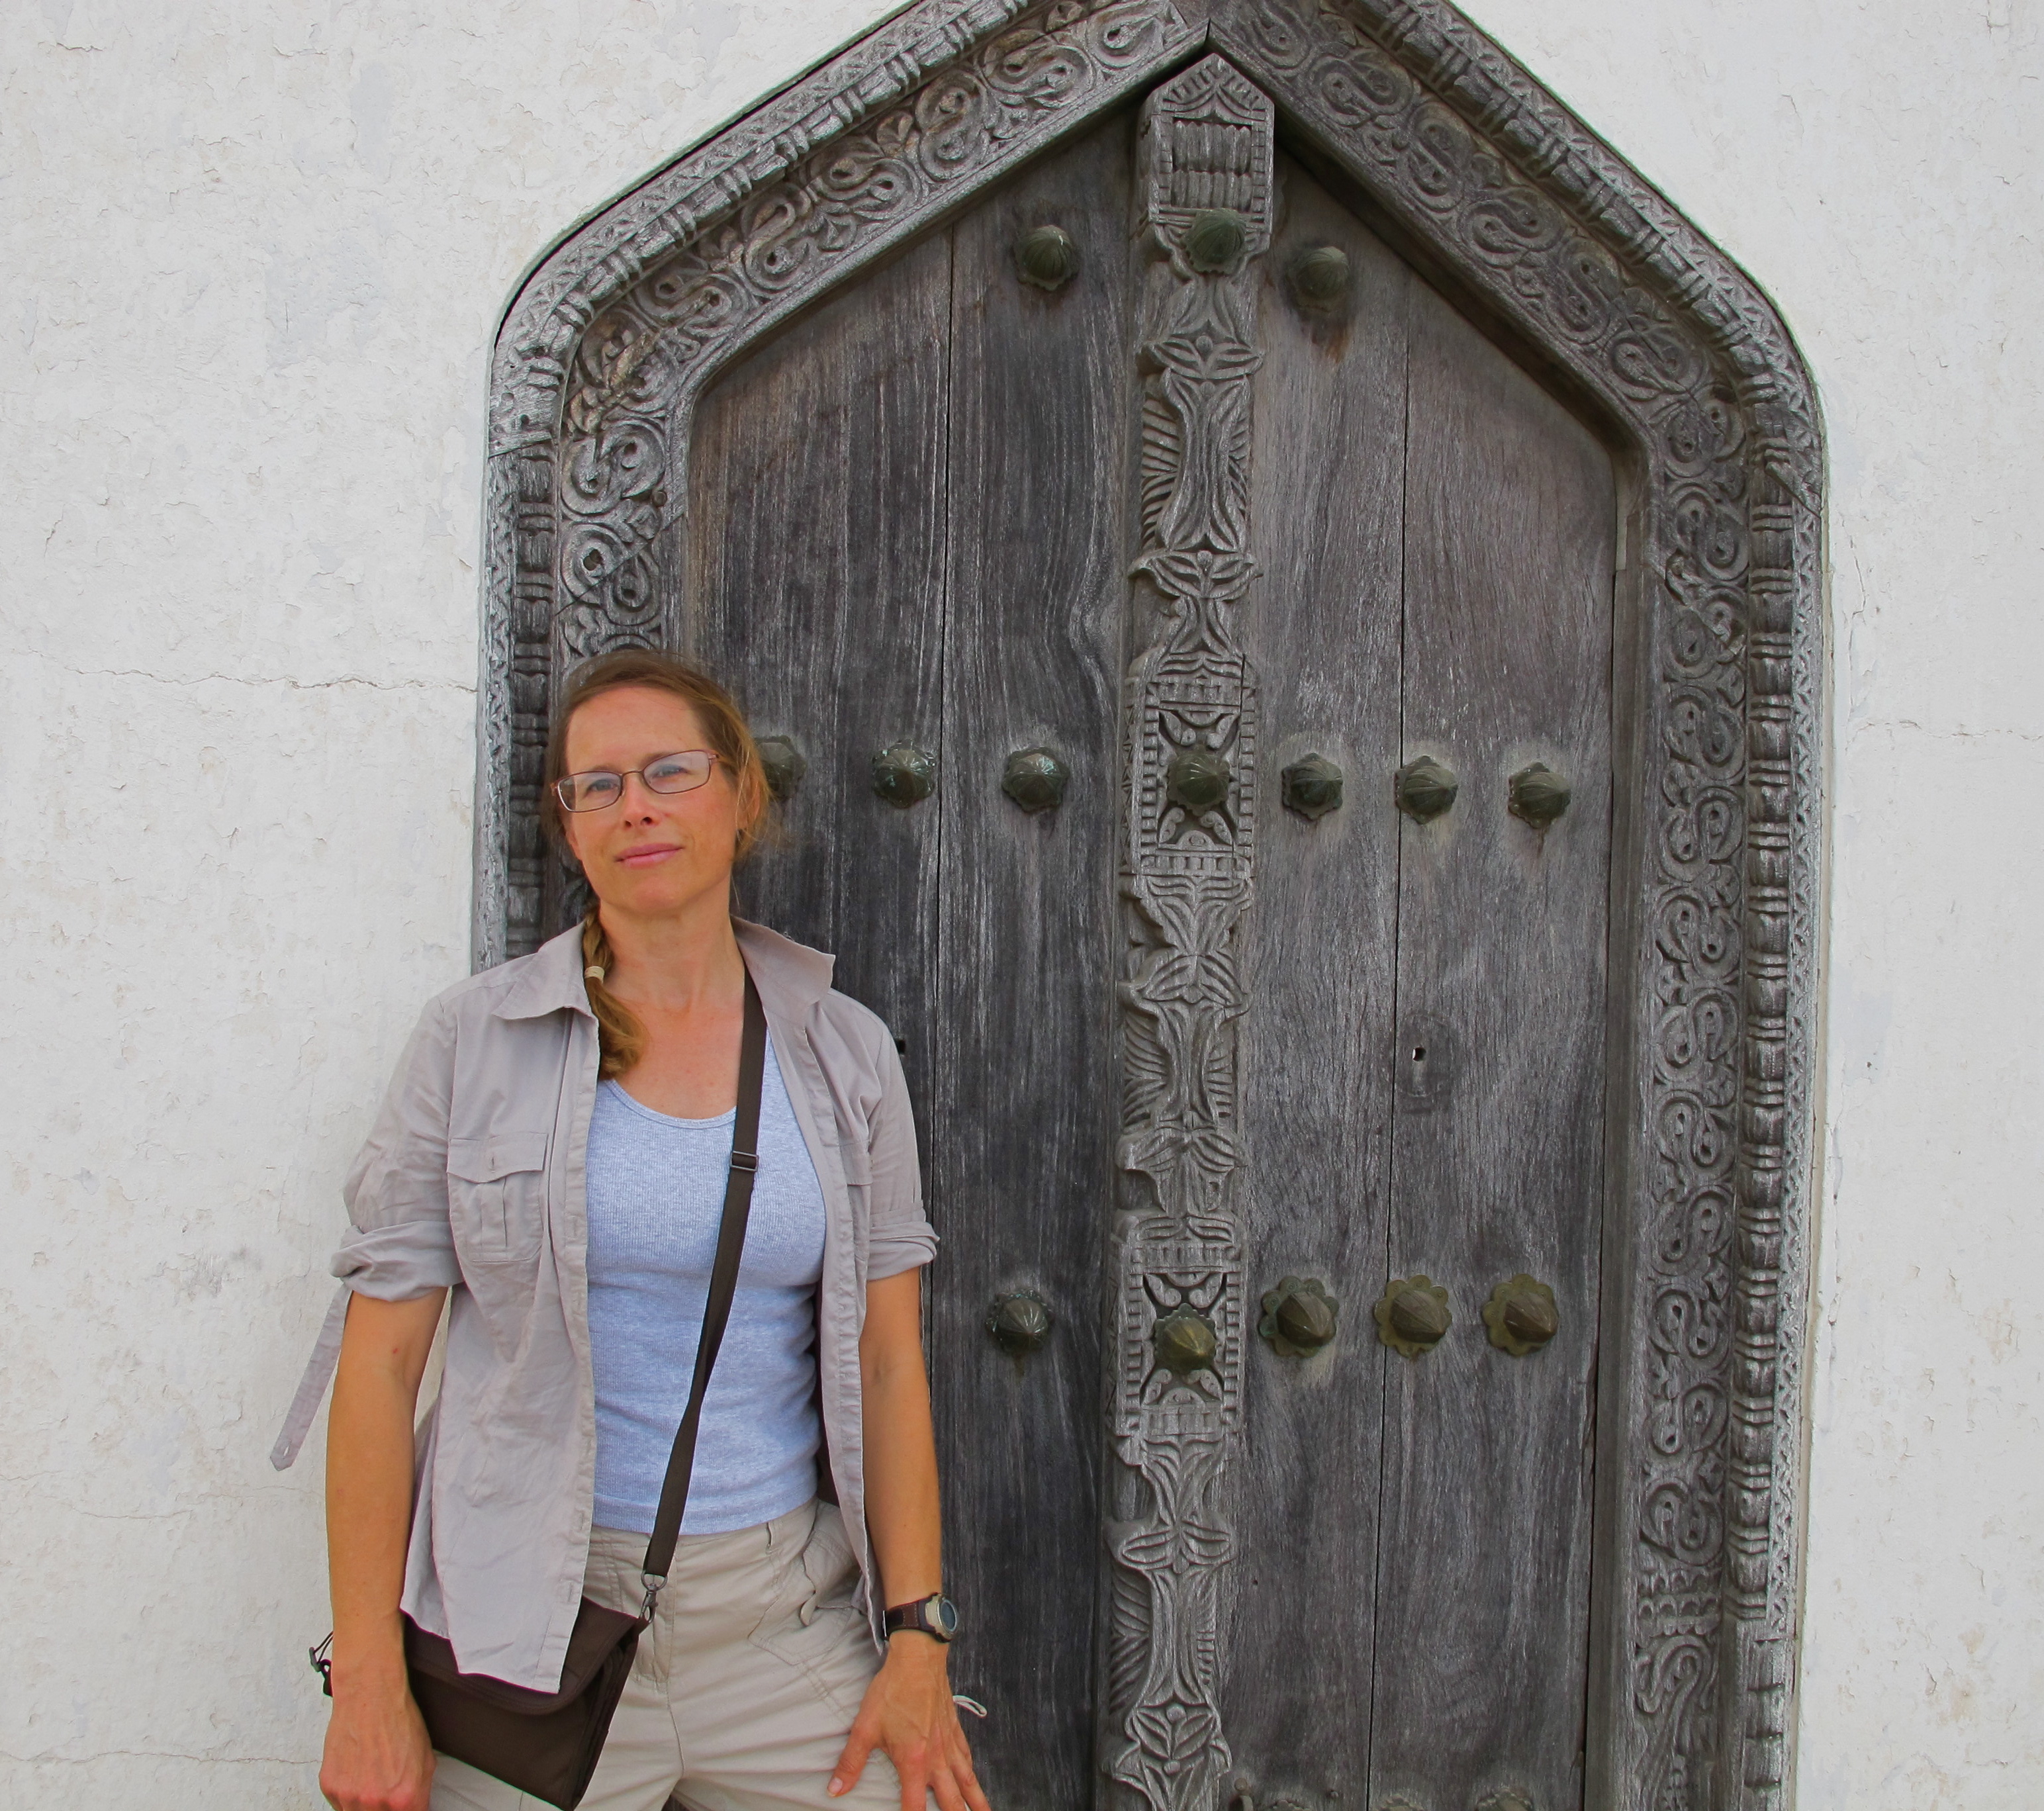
{"x":250,"y":259}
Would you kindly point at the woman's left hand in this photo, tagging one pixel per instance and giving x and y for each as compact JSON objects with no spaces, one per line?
{"x":909,"y":1714}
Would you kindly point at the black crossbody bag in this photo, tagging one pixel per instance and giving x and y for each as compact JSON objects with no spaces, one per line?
{"x":548,"y":1743}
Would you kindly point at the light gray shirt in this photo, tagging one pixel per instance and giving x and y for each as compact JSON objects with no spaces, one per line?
{"x":656,"y":1189}
{"x":473,"y":1179}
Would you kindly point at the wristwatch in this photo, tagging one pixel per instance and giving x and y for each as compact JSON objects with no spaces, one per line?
{"x":935,"y":1616}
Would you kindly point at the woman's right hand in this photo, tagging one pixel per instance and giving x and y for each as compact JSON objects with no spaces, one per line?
{"x":377,"y":1755}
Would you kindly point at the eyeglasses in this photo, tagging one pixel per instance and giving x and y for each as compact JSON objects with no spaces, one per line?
{"x":592,"y":791}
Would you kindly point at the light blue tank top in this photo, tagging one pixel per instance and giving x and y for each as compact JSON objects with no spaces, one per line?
{"x":655,"y":1192}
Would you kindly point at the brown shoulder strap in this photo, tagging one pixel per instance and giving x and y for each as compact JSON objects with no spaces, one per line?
{"x":723,"y":1285}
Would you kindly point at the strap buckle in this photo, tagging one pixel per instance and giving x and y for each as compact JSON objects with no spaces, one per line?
{"x":748,"y":1161}
{"x":653,"y":1587}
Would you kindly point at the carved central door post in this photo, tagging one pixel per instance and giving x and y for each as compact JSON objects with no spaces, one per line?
{"x":1206,"y":197}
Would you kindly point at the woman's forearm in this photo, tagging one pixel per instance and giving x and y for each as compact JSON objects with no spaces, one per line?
{"x":902,"y":1509}
{"x":383,"y":1353}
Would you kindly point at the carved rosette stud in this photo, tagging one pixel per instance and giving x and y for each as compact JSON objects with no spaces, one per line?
{"x":783,"y":765}
{"x":1521,"y":1316}
{"x":1046,"y":258}
{"x":1319,"y":277}
{"x":1196,"y":780}
{"x":1035,"y":779}
{"x":1214,"y":240}
{"x":1299,"y":1317}
{"x":1019,"y":1323}
{"x":1537,"y":795}
{"x":1311,"y":787}
{"x":1190,"y":747}
{"x":904,"y":776}
{"x":1412,"y":1315}
{"x":1423,"y":789}
{"x":1186,"y":1342}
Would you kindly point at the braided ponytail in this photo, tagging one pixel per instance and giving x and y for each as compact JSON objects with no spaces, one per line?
{"x":620,"y":1037}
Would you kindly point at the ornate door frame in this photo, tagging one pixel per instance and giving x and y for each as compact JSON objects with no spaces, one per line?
{"x":1508,"y":200}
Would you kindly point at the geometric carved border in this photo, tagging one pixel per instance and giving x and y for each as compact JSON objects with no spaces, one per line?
{"x":1701,"y":1412}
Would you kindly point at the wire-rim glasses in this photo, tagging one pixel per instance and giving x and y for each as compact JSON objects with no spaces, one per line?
{"x":680,"y":772}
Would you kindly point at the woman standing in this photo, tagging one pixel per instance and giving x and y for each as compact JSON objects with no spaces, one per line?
{"x":554,"y":1150}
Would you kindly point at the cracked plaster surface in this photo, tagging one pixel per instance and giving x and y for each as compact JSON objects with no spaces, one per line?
{"x":250,"y":260}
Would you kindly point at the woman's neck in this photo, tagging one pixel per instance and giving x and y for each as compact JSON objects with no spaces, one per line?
{"x":675,"y":962}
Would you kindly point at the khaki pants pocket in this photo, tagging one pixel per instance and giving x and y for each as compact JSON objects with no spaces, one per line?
{"x":816,"y":1625}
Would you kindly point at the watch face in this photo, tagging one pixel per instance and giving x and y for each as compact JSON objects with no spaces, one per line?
{"x":943,"y":1612}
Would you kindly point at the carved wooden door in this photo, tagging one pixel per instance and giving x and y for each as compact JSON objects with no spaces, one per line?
{"x":1198,"y":636}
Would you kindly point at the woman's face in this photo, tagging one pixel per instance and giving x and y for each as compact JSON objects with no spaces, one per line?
{"x":650,"y":853}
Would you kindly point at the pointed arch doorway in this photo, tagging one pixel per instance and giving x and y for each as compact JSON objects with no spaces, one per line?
{"x":1287,"y":575}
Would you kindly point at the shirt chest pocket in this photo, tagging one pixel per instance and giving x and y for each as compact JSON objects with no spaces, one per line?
{"x":497,"y":1196}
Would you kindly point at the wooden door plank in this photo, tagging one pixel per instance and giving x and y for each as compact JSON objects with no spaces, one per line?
{"x":1485,"y":1579}
{"x":1323,"y":628}
{"x":816,"y":590}
{"x":1021,"y":1176}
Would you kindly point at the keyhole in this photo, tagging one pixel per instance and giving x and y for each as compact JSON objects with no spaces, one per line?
{"x":1423,"y":1062}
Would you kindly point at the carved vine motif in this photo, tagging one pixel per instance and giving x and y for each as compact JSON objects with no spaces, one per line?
{"x":1189,"y":745}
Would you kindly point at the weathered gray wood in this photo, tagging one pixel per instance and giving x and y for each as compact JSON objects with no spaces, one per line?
{"x":1323,"y":628}
{"x":815,"y":587}
{"x":1023,"y":1088}
{"x":1497,"y":1163}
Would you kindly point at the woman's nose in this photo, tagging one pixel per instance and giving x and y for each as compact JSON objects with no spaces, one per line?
{"x":637,"y":801}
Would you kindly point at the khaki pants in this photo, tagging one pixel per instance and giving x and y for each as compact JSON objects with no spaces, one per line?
{"x":744,"y":1687}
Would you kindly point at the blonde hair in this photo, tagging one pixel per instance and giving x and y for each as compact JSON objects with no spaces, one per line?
{"x":622,"y":1037}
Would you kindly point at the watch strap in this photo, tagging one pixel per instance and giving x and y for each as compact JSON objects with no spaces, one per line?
{"x":916,"y":1615}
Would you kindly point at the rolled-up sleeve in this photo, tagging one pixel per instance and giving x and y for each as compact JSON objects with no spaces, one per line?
{"x":901,"y":1236}
{"x":399,"y":1244}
